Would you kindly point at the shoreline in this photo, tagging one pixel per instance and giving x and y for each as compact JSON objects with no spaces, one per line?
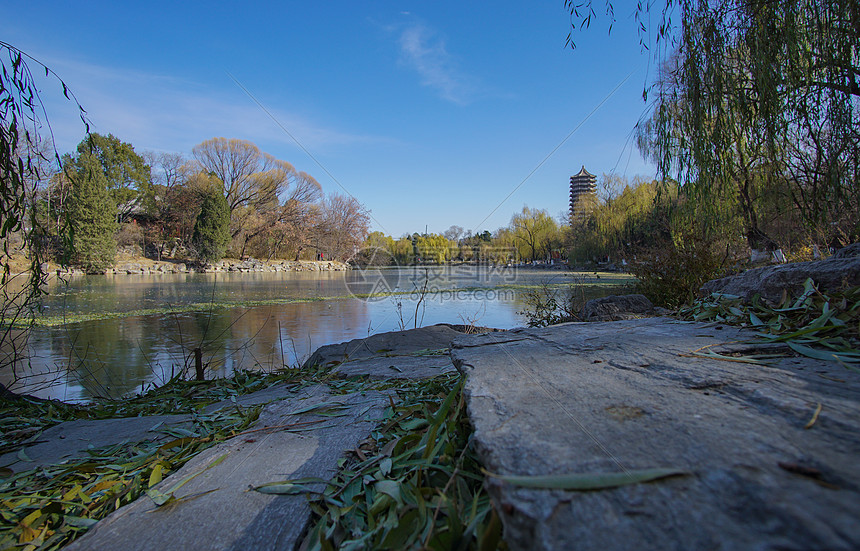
{"x":146,"y":266}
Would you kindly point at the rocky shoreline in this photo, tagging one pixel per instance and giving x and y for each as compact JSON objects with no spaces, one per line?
{"x":151,"y":267}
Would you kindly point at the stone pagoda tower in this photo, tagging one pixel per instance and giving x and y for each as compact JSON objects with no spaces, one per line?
{"x":583,"y":195}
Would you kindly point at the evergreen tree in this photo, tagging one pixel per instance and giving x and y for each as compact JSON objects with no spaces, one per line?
{"x":129,"y":178}
{"x":212,"y":230}
{"x":91,"y":217}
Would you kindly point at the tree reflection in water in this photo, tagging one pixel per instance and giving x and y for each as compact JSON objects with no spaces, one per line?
{"x":115,"y":357}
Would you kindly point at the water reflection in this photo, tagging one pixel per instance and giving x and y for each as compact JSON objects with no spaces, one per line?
{"x":115,"y":357}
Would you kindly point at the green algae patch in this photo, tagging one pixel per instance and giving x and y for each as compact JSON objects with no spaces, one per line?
{"x":66,"y":319}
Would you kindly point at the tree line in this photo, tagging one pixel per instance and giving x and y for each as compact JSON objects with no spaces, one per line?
{"x":532,"y":236}
{"x":228,"y":198}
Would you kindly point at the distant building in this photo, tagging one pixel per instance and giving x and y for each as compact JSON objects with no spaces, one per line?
{"x":583,"y":195}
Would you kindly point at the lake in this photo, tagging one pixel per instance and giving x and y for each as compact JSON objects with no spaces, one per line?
{"x":115,"y":335}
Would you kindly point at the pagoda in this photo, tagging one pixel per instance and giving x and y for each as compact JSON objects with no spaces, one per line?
{"x":583,"y":195}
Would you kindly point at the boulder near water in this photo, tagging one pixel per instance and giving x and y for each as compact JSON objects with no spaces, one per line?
{"x":770,"y":282}
{"x":571,"y":420}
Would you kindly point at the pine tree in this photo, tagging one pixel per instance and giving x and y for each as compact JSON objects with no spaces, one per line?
{"x":92,"y":217}
{"x":212,"y":230}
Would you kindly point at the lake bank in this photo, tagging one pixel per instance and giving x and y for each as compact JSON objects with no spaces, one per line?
{"x":127,"y":264}
{"x":107,"y":336}
{"x":146,"y":266}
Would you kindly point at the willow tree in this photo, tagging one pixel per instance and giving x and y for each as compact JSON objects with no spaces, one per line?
{"x":757,"y":96}
{"x":261,"y":191}
{"x":535,"y":233}
{"x":23,"y":156}
{"x":342,"y":227}
{"x":22,"y":121}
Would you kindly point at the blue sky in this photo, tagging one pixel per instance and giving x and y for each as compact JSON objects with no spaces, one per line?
{"x":429,"y":113}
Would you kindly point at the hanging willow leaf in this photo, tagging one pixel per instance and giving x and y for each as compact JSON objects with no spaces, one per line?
{"x":589,"y":481}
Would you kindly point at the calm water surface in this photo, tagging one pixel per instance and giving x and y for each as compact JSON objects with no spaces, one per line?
{"x":113,"y":357}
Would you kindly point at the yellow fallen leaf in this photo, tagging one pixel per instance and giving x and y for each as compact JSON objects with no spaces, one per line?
{"x":28,"y":520}
{"x":103,"y":485}
{"x":814,"y":416}
{"x":70,"y":495}
{"x":155,"y":476}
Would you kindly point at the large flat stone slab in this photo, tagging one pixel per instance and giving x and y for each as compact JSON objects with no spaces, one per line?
{"x":629,"y":395}
{"x":420,"y":366}
{"x":73,"y":439}
{"x":217,"y":509}
{"x":394,"y":343}
{"x":411,"y":354}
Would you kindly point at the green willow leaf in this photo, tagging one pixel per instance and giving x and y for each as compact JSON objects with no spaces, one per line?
{"x":281,"y":488}
{"x":390,"y":488}
{"x":79,"y":522}
{"x":827,"y":355}
{"x":163,"y":498}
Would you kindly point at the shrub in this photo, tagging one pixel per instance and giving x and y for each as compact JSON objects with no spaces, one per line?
{"x":551,"y":305}
{"x":673,"y":275}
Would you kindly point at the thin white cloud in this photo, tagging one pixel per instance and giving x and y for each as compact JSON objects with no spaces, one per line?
{"x":426,"y":54}
{"x":173,"y":114}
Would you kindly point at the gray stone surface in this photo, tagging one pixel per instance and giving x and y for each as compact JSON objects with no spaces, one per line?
{"x":628,"y":395}
{"x":397,"y":367}
{"x":266,"y":395}
{"x":842,"y":269}
{"x":219,"y":511}
{"x":851,"y":251}
{"x":72,"y":439}
{"x":411,"y":354}
{"x":395,"y":343}
{"x":617,"y":307}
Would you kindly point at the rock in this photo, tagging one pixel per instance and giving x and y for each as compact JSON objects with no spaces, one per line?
{"x":851,"y":251}
{"x":221,"y":511}
{"x":616,"y":307}
{"x":73,"y":439}
{"x":771,"y":282}
{"x":764,"y":470}
{"x":432,"y":338}
{"x":129,"y":268}
{"x":416,"y":366}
